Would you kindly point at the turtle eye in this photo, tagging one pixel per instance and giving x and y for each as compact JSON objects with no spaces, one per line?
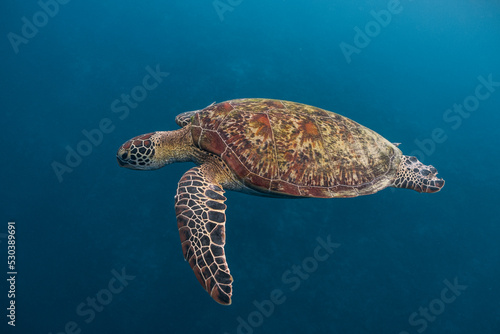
{"x":124,"y":155}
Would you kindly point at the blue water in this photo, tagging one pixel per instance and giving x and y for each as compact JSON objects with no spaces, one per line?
{"x":403,"y":262}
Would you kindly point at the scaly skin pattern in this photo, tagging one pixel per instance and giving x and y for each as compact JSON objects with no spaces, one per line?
{"x":201,"y":218}
{"x":284,"y":148}
{"x":139,"y":150}
{"x":412,"y":174}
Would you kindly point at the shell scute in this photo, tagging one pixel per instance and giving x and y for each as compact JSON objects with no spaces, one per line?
{"x":297,"y":137}
{"x":257,"y":105}
{"x":249,"y":136}
{"x":281,"y":187}
{"x":213,"y":115}
{"x":235,"y":164}
{"x":297,"y":108}
{"x":288,"y":148}
{"x":211,"y":141}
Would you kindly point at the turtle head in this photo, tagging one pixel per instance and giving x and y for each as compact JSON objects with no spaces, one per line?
{"x":154,"y":150}
{"x":412,"y":174}
{"x":140,"y":152}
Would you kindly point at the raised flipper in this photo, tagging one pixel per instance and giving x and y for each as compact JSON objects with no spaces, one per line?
{"x":201,"y":218}
{"x":185,"y":118}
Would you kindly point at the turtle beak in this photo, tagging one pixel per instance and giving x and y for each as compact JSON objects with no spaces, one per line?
{"x":124,"y":163}
{"x":120,"y":161}
{"x":122,"y":154}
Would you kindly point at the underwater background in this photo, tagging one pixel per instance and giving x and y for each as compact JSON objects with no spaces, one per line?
{"x":97,"y":246}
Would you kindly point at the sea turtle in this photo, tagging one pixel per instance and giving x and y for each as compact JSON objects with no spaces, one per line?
{"x":270,"y":148}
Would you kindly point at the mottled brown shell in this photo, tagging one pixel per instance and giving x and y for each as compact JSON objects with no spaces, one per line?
{"x":286,"y":148}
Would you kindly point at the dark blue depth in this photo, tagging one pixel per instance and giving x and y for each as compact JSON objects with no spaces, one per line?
{"x":97,"y":246}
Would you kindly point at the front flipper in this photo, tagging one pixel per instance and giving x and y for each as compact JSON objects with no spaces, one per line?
{"x":201,"y":218}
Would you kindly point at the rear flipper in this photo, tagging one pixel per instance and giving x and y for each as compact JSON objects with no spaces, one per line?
{"x":412,"y":174}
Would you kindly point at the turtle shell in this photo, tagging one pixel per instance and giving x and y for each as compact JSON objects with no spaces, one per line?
{"x":291,"y":149}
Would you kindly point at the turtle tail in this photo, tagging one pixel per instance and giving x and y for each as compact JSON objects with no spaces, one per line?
{"x":412,"y":174}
